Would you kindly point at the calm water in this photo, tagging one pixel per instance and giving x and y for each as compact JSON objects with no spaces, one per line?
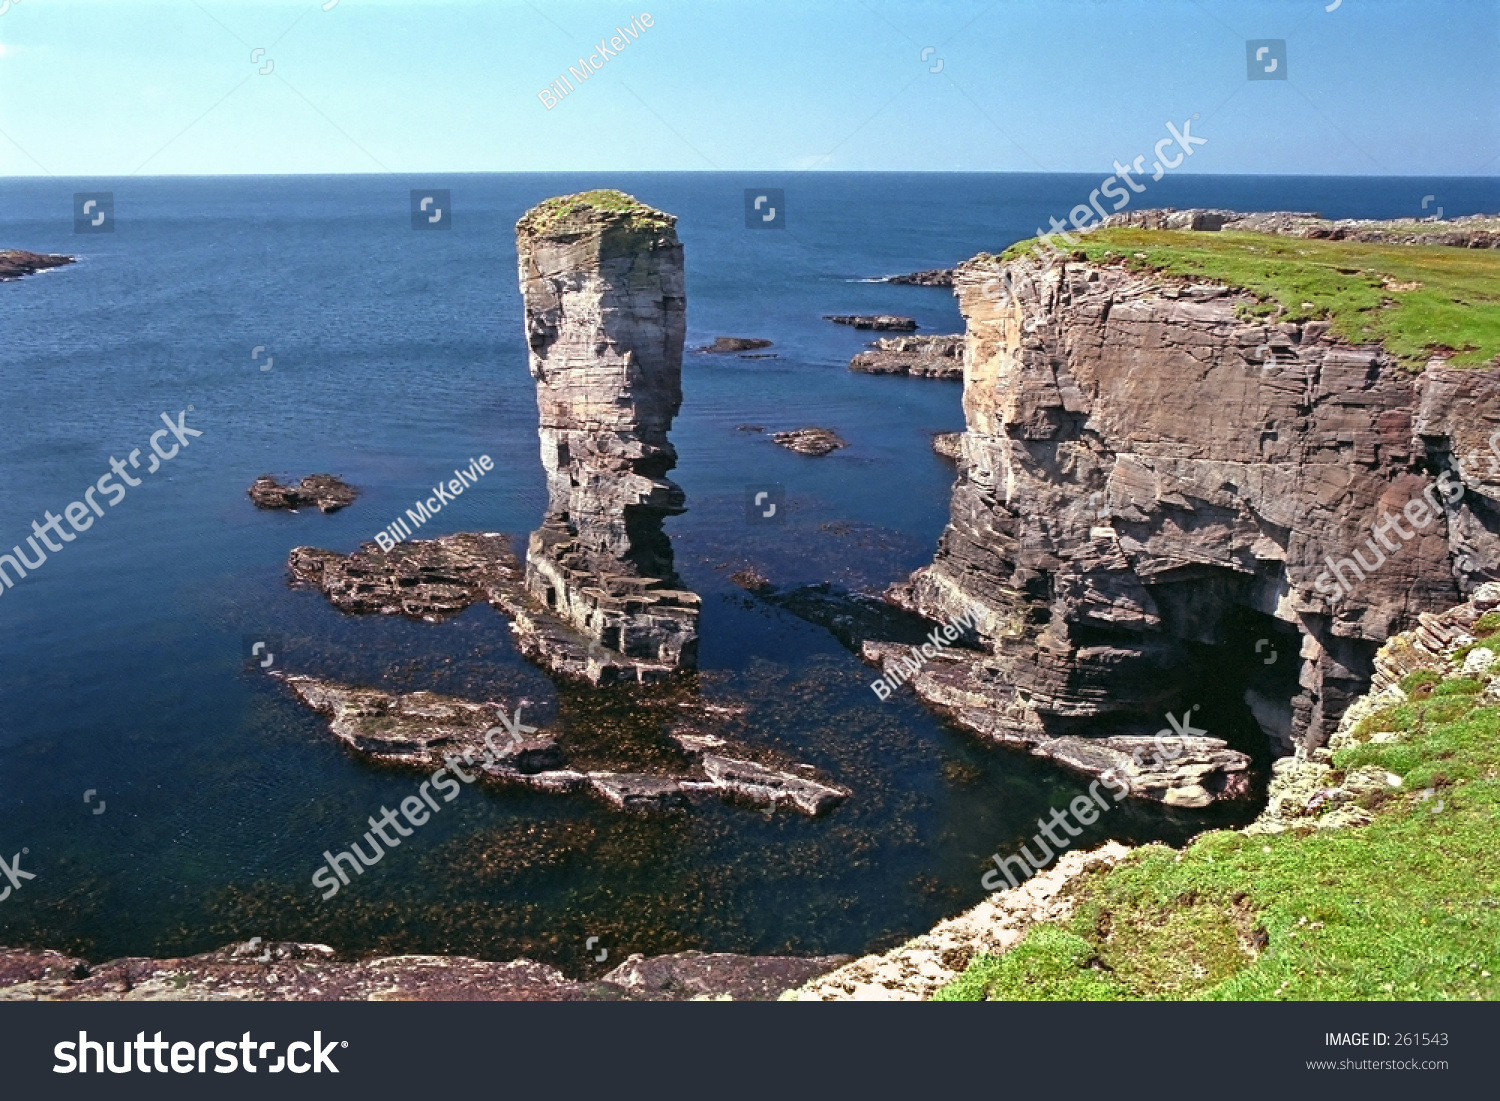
{"x":399,"y":355}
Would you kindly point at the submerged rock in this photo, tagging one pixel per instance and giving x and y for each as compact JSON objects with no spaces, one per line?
{"x":602,"y":286}
{"x":324,"y":490}
{"x":810,"y":441}
{"x":880,"y":322}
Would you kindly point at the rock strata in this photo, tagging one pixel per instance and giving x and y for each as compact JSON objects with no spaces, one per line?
{"x":17,"y":263}
{"x":918,"y":356}
{"x":879,"y":322}
{"x":324,"y":490}
{"x":299,"y":972}
{"x":1142,"y":495}
{"x":810,"y":441}
{"x":602,"y":284}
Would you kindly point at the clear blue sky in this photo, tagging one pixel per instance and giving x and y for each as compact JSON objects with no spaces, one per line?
{"x":115,"y":87}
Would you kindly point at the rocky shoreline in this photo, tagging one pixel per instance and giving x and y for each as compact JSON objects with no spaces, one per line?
{"x":18,"y":263}
{"x":294,"y":972}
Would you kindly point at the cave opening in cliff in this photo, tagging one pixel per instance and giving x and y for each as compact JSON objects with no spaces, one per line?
{"x":1248,"y":679}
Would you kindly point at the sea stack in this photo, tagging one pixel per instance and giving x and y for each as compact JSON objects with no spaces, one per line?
{"x":602,"y":285}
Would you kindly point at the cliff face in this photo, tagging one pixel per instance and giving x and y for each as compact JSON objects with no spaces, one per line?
{"x":1151,"y":478}
{"x":602,"y":281}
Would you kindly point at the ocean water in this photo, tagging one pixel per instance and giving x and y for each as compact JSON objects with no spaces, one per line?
{"x":396,"y":356}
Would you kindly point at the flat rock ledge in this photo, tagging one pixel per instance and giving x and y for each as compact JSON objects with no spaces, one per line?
{"x":18,"y":263}
{"x":921,"y":967}
{"x":297,"y":972}
{"x":432,"y":579}
{"x":1184,"y":772}
{"x":325,"y":491}
{"x":915,"y":356}
{"x":810,"y":441}
{"x":880,"y":322}
{"x":423,"y":730}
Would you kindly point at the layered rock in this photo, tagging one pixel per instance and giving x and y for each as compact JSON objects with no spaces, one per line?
{"x":918,"y":356}
{"x":1144,"y":490}
{"x":426,"y":731}
{"x":602,"y":284}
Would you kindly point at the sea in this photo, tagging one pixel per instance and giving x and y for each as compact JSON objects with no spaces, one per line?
{"x":169,"y":797}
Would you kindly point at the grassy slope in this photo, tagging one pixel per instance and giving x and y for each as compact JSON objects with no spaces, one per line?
{"x":1407,"y":906}
{"x":1455,"y":307}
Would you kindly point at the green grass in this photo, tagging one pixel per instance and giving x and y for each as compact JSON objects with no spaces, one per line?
{"x":1415,"y":300}
{"x":1407,"y":906}
{"x":626,"y":210}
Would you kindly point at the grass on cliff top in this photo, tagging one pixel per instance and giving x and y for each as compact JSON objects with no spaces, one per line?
{"x":1414,"y":299}
{"x":633,"y":213}
{"x":1406,"y":907}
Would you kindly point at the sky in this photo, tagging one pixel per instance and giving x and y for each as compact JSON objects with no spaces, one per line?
{"x":114,"y":88}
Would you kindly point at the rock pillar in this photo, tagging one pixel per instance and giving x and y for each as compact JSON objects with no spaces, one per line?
{"x":602,"y":284}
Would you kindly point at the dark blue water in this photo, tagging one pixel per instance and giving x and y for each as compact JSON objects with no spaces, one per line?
{"x":397,"y":356}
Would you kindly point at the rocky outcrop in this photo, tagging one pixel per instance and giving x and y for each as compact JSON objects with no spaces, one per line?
{"x":879,"y":322}
{"x":602,"y":285}
{"x":323,"y":490}
{"x":727,"y":344}
{"x":1473,"y":231}
{"x":950,"y":445}
{"x":810,"y":441}
{"x":918,"y":356}
{"x":1145,"y":491}
{"x":292,"y":972}
{"x":17,"y":263}
{"x":933,"y":277}
{"x":426,"y":731}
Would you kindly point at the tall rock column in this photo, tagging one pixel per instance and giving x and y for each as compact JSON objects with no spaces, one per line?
{"x":602,"y":284}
